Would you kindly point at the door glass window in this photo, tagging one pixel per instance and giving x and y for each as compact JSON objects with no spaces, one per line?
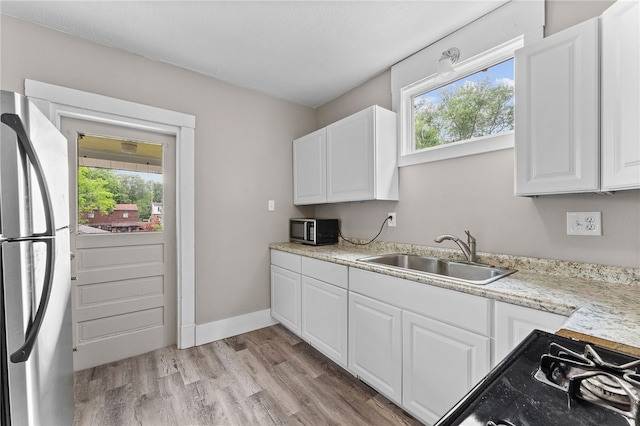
{"x":119,"y":185}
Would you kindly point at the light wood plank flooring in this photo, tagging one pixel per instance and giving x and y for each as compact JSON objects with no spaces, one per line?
{"x":265,"y":377}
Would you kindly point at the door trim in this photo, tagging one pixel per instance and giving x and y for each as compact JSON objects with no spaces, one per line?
{"x":57,"y":102}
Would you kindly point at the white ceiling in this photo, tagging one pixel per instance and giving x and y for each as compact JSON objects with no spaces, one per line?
{"x":308,"y":52}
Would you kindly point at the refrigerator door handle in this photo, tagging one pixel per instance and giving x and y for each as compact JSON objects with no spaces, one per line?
{"x":22,"y":354}
{"x":48,"y":237}
{"x":14,"y":121}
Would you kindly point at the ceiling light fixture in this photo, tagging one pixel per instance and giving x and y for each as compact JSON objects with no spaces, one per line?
{"x":128,"y":147}
{"x":448,"y":58}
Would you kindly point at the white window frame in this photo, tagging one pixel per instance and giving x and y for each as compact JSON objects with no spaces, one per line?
{"x":504,"y":140}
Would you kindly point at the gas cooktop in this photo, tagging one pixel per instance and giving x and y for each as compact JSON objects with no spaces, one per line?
{"x":552,"y":380}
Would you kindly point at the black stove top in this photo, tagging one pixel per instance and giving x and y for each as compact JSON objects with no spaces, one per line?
{"x":552,"y":380}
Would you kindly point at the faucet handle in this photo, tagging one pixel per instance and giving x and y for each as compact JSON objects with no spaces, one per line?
{"x":470,"y":238}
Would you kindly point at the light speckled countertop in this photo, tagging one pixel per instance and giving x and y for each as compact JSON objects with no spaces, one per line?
{"x":601,"y":301}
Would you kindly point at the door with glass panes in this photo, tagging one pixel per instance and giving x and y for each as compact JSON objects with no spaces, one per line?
{"x":122,"y":204}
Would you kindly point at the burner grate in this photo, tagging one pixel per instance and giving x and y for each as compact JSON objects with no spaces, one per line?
{"x":588,"y":377}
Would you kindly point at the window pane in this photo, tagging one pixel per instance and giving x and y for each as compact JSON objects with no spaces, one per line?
{"x":480,"y":104}
{"x":119,"y":186}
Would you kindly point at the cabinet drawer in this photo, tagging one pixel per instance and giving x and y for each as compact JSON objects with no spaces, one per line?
{"x":286,"y":260}
{"x":463,"y":310}
{"x":328,"y":272}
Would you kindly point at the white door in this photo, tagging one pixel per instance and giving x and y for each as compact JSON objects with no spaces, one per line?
{"x":324,"y":318}
{"x":375,"y":344}
{"x":350,"y":158}
{"x":310,"y":169}
{"x":435,"y":353}
{"x":514,"y":323}
{"x":124,"y":264}
{"x":621,"y":96}
{"x":285,"y":297}
{"x":557,"y":118}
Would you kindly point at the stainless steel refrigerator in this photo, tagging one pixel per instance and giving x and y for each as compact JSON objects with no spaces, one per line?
{"x":36,"y":360}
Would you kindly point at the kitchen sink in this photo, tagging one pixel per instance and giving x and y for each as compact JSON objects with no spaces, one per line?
{"x":472,"y":273}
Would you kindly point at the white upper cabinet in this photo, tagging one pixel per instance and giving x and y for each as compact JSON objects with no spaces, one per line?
{"x":309,"y":169}
{"x":557,"y":113}
{"x":620,"y":96}
{"x":354,"y":159}
{"x":361,"y":157}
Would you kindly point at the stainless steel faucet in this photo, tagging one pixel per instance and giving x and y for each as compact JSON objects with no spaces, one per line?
{"x":469,"y":249}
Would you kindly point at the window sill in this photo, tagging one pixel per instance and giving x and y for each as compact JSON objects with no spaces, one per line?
{"x":459,"y":149}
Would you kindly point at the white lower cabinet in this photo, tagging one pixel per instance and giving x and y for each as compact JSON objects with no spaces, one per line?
{"x":375,"y":345}
{"x":285,"y":298}
{"x":324,"y":318}
{"x":423,"y":347}
{"x":285,"y":289}
{"x":513,"y":323}
{"x":441,"y":363}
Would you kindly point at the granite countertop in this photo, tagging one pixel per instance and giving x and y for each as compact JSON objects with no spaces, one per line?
{"x":602,"y":302}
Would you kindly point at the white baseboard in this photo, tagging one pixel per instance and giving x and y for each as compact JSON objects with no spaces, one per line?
{"x":216,"y":330}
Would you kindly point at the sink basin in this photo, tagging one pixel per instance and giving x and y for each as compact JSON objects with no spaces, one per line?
{"x":472,"y":273}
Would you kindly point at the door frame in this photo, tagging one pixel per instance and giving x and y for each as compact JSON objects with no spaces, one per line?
{"x":57,"y":102}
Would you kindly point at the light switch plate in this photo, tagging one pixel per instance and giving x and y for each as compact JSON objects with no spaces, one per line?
{"x":584,"y":223}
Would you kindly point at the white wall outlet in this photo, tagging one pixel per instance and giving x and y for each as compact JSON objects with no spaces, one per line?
{"x":392,"y":221}
{"x":271,"y":205}
{"x":584,"y":223}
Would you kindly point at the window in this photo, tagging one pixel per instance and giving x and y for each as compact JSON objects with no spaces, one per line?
{"x":120,"y":185}
{"x":480,"y":104}
{"x":469,"y":113}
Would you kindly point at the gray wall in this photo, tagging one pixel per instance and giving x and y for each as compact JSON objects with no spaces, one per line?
{"x":476,"y":192}
{"x":243,"y":152}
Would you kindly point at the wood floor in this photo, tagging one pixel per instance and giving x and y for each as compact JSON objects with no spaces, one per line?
{"x":265,"y":377}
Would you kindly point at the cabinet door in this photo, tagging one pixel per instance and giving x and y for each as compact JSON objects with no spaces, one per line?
{"x":513,"y":323}
{"x":350,"y":158}
{"x":557,"y":114}
{"x":324,"y":318}
{"x":285,"y":298}
{"x":621,"y":96}
{"x":310,"y":169}
{"x":375,"y":345}
{"x":441,"y":363}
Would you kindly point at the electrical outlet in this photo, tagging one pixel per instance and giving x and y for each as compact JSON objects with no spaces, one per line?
{"x":392,"y":221}
{"x":584,"y":223}
{"x":271,"y":205}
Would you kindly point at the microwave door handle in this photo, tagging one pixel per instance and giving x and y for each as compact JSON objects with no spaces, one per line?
{"x":22,"y":354}
{"x":14,"y":121}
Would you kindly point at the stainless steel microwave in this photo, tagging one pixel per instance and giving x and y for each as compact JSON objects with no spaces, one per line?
{"x":313,"y":231}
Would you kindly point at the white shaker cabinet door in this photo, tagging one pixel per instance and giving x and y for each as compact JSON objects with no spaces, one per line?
{"x":513,"y":323}
{"x":285,"y":298}
{"x":310,"y":169}
{"x":324,"y":318}
{"x":362,"y":157}
{"x":621,"y":96}
{"x":441,"y":363}
{"x":557,"y":113}
{"x":350,"y":158}
{"x":375,"y":345}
